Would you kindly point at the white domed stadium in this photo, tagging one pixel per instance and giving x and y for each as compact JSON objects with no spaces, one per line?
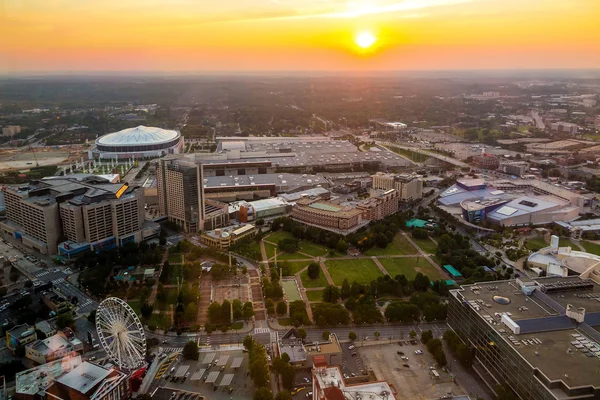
{"x":138,"y":143}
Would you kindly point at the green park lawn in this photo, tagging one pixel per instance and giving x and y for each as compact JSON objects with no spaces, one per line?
{"x":284,"y":321}
{"x":321,"y":281}
{"x":279,"y":235}
{"x":361,"y":270}
{"x":270,"y":249}
{"x":399,"y":246}
{"x":313,"y":249}
{"x":591,"y":247}
{"x":296,"y":266}
{"x":283,"y":256}
{"x":314,"y":295}
{"x":135,"y":304}
{"x":536,"y":244}
{"x":409,"y":267}
{"x":170,"y":298}
{"x":427,"y":245}
{"x":175,"y":258}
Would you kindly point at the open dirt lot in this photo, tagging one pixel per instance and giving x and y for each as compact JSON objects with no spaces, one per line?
{"x":413,"y":382}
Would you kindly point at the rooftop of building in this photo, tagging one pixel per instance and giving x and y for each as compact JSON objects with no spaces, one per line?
{"x":329,"y":347}
{"x":140,"y":135}
{"x":21,"y":330}
{"x":296,"y":152}
{"x":525,"y":205}
{"x":474,"y":205}
{"x":331,"y":381}
{"x":284,"y":182}
{"x":81,"y":188}
{"x":44,"y":327}
{"x":584,"y":225}
{"x":31,"y":381}
{"x":315,"y":192}
{"x":50,"y":345}
{"x":266,"y":204}
{"x":84,"y":377}
{"x":228,"y":231}
{"x":546,"y":335}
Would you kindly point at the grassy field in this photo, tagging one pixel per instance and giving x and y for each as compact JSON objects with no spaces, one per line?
{"x":279,"y":235}
{"x":321,"y":281}
{"x":313,"y":249}
{"x":591,"y":247}
{"x":135,"y":304}
{"x":270,"y":249}
{"x":297,"y":266}
{"x":566,"y":242}
{"x":401,"y":266}
{"x":284,"y":321}
{"x":170,"y":298}
{"x":361,"y":270}
{"x":426,"y":245}
{"x":536,"y":244}
{"x":399,"y":246}
{"x":283,"y":256}
{"x":314,"y":295}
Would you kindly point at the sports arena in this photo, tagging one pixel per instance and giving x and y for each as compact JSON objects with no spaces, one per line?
{"x":141,"y":142}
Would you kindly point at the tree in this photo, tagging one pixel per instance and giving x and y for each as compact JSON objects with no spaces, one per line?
{"x":314,"y":270}
{"x":287,"y":376}
{"x":190,"y":351}
{"x":283,"y":395}
{"x":326,"y":335}
{"x":426,"y":336}
{"x":238,"y":309}
{"x":331,"y":294}
{"x":282,"y":308}
{"x":146,"y":310}
{"x":214,"y":312}
{"x":262,"y":393}
{"x":352,"y":336}
{"x":342,"y":246}
{"x":377,"y":334}
{"x":226,"y":312}
{"x":345,"y":289}
{"x":301,"y":333}
{"x":421,"y":282}
{"x":412,"y":334}
{"x":381,"y":240}
{"x":260,"y":222}
{"x":270,"y":306}
{"x":191,"y":312}
{"x":420,"y":233}
{"x":92,"y":317}
{"x":28,"y":284}
{"x":65,"y":320}
{"x":248,"y":310}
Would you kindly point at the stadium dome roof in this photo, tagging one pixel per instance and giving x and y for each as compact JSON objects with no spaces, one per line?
{"x":140,"y":135}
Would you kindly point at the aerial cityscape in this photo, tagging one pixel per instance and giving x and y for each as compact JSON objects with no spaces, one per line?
{"x":300,"y":200}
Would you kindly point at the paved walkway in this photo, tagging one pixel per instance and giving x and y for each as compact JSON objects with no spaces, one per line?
{"x":155,"y":287}
{"x":381,"y":268}
{"x":303,"y":292}
{"x":326,"y":273}
{"x":427,"y":257}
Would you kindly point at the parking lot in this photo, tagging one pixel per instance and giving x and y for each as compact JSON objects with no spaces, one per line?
{"x":411,"y":374}
{"x":217,"y":375}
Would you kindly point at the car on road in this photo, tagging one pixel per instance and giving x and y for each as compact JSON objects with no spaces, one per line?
{"x":400,"y":352}
{"x":187,"y":375}
{"x":351,"y":347}
{"x":230,"y":390}
{"x":215,"y":388}
{"x":419,"y":352}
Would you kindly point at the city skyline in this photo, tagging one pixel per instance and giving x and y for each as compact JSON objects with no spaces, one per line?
{"x":291,"y":35}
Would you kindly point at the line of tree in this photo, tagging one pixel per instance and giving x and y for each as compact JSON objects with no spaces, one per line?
{"x":258,"y":368}
{"x":460,"y":350}
{"x":326,"y":314}
{"x":298,"y":315}
{"x":434,"y":346}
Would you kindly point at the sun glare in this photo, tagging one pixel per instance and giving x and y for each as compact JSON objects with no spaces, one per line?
{"x":365,"y":39}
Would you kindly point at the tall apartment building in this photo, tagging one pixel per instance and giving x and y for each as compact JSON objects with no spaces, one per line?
{"x":381,"y":204}
{"x":11,"y":130}
{"x":88,"y":211}
{"x":408,"y":186}
{"x":539,"y":337}
{"x":180,"y":185}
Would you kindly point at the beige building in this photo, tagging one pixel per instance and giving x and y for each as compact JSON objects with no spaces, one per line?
{"x":381,"y":204}
{"x":222,"y":238}
{"x":88,"y":210}
{"x":181,"y":196}
{"x":52,"y":348}
{"x":11,"y":130}
{"x":333,"y":217}
{"x":408,"y":186}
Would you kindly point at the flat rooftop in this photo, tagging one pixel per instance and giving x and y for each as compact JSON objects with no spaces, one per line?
{"x":331,"y":379}
{"x":283,"y":182}
{"x":555,"y":344}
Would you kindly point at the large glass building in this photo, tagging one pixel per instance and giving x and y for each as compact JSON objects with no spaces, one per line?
{"x":141,"y":142}
{"x":539,"y":337}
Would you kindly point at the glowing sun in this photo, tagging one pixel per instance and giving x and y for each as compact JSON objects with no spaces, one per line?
{"x":365,"y":39}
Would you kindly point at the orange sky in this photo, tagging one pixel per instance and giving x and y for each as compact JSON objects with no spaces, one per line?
{"x":246,"y":35}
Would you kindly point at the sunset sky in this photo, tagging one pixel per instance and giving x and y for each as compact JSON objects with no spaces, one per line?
{"x":297,"y":35}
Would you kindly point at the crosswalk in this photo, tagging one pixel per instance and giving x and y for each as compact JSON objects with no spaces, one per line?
{"x":57,"y":281}
{"x":172,"y":349}
{"x":85,"y":303}
{"x":261,"y":330}
{"x":43,"y":273}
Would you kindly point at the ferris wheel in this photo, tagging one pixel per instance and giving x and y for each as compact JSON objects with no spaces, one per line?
{"x":121,"y":333}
